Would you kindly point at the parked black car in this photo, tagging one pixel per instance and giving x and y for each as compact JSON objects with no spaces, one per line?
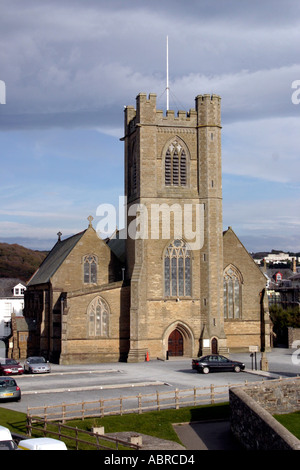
{"x":216,"y":363}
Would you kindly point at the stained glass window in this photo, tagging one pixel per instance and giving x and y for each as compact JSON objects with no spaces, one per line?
{"x":90,"y":269}
{"x":98,"y":317}
{"x":232,"y":293}
{"x":177,"y":270}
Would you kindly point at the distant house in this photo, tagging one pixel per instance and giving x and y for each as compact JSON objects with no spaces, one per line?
{"x":11,"y":303}
{"x":283,"y":287}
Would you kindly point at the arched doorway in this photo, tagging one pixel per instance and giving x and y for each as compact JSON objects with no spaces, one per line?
{"x":175,"y":343}
{"x":214,"y":346}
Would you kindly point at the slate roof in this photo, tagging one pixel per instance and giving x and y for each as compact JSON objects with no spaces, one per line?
{"x":25,"y":324}
{"x":286,"y":272}
{"x":117,"y":244}
{"x":7,"y":284}
{"x":54,"y":259}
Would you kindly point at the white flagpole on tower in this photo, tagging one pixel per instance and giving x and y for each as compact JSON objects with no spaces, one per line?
{"x":167,"y":74}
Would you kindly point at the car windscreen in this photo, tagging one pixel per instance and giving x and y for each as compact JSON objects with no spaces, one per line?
{"x":7,"y":383}
{"x":7,"y":445}
{"x":9,"y":362}
{"x":37,"y":360}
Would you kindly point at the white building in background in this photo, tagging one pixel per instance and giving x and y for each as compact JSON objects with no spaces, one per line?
{"x":278,"y":258}
{"x":11,"y":301}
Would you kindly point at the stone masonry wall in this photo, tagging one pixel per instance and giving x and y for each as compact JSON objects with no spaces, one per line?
{"x":293,"y":336}
{"x":251,"y":421}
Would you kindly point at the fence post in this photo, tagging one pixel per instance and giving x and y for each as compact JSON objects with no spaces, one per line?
{"x":157,"y":401}
{"x":176,"y":399}
{"x":63,"y":412}
{"x":139,"y":404}
{"x":121,"y":406}
{"x":76,"y":435}
{"x":29,"y":425}
{"x":45,"y":427}
{"x":195,"y":396}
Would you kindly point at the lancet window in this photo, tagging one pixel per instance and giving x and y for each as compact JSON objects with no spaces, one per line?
{"x":98,"y":318}
{"x":90,"y":269}
{"x":232,"y":293}
{"x":177,"y":270}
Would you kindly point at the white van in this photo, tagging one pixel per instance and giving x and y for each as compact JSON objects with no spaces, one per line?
{"x":42,"y":443}
{"x":6,"y":440}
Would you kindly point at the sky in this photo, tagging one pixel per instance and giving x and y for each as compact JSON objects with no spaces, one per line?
{"x":68,"y":68}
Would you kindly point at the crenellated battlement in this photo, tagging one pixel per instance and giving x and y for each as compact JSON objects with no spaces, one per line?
{"x":208,"y":110}
{"x":206,"y":113}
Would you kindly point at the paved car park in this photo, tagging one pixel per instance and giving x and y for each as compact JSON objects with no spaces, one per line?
{"x":74,"y":383}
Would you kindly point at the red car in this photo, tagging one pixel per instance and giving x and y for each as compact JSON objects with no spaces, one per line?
{"x":10,"y":366}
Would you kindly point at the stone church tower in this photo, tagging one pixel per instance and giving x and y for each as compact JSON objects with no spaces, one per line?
{"x":173,"y":180}
{"x":171,"y":283}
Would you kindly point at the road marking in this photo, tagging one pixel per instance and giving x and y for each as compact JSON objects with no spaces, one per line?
{"x":94,"y":387}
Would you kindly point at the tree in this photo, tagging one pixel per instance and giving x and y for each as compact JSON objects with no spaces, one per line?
{"x":282,"y":319}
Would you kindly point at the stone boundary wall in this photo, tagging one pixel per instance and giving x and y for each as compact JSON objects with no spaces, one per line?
{"x":251,"y":422}
{"x":293,"y":335}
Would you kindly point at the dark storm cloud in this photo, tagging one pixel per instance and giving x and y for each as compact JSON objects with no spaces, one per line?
{"x":67,"y":63}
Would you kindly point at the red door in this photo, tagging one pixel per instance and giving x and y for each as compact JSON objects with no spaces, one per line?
{"x":175,"y":344}
{"x":214,"y":346}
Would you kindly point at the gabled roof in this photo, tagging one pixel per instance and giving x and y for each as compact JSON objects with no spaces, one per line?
{"x":54,"y":259}
{"x":229,"y":231}
{"x":286,"y":272}
{"x":7,"y":284}
{"x":24,"y":324}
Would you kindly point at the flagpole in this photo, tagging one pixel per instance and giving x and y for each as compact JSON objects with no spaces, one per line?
{"x":167,"y":74}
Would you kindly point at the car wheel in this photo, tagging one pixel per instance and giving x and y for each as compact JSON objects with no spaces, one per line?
{"x":237,"y":369}
{"x":205,"y":370}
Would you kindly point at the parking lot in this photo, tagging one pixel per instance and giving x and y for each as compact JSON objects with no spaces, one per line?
{"x":76,"y":383}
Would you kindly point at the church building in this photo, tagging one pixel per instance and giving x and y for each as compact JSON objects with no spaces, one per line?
{"x":171,"y":283}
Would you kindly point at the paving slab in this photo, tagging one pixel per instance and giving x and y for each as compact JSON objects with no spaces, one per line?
{"x":208,"y":435}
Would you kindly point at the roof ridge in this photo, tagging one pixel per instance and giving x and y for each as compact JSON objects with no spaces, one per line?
{"x":55,"y":258}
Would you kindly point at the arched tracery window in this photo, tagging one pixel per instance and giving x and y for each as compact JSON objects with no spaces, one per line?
{"x":90,"y":269}
{"x":175,"y":165}
{"x":98,"y":318}
{"x":232,"y":293}
{"x":177,"y":270}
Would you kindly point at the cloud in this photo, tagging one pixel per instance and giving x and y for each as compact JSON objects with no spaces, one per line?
{"x":66,"y":66}
{"x":264,"y":220}
{"x":266,"y":149}
{"x":70,"y":67}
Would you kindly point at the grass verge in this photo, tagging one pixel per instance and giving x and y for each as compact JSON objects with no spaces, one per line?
{"x":155,"y":423}
{"x":291,"y":422}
